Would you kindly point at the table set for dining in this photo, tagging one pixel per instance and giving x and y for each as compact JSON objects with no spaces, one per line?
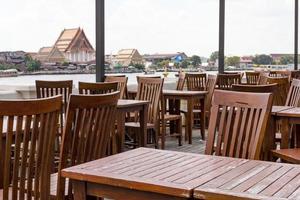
{"x":98,"y":143}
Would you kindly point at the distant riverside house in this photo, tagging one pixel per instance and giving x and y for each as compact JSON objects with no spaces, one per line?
{"x":246,"y":61}
{"x":75,"y":46}
{"x":277,"y":56}
{"x":50,"y":54}
{"x":174,"y":57}
{"x":125,"y":57}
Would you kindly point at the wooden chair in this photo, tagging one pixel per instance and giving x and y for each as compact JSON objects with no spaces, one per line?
{"x":173,"y":118}
{"x":263,"y":79}
{"x":238,"y":123}
{"x":295,"y":74}
{"x":29,"y":128}
{"x":89,"y":123}
{"x":196,"y":81}
{"x":281,"y":93}
{"x":225,"y":81}
{"x":270,"y":88}
{"x":149,"y":89}
{"x":122,"y":84}
{"x":209,"y":87}
{"x":97,"y":88}
{"x":181,"y":81}
{"x":291,"y":155}
{"x":252,"y":78}
{"x":51,"y":88}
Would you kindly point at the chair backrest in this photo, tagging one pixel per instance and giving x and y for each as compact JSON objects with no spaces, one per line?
{"x":195,"y":81}
{"x":122,"y":84}
{"x":225,"y":81}
{"x":237,"y":124}
{"x":283,"y":85}
{"x":150,"y":89}
{"x":295,"y":74}
{"x":293,"y":98}
{"x":29,"y":128}
{"x":252,"y":78}
{"x":269,"y":88}
{"x":97,"y":88}
{"x":181,"y":81}
{"x":89,"y":124}
{"x":51,"y":88}
{"x":263,"y":79}
{"x":210,"y":88}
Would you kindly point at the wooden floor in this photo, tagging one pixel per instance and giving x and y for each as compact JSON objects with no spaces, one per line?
{"x":198,"y":145}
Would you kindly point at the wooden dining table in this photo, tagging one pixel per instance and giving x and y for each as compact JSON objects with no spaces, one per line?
{"x":191,"y":97}
{"x":159,"y":174}
{"x":124,"y":106}
{"x":176,"y":96}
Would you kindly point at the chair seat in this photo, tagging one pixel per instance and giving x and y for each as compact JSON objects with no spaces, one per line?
{"x":194,"y":111}
{"x":168,"y":117}
{"x":289,"y":155}
{"x":137,"y":125}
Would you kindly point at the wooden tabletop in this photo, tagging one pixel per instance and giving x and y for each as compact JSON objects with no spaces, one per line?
{"x":292,"y":112}
{"x":124,"y":103}
{"x":184,"y":93}
{"x":185,"y":174}
{"x":277,"y":109}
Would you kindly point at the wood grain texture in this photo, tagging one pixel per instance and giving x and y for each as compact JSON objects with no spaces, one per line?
{"x":238,"y":123}
{"x":30,"y":129}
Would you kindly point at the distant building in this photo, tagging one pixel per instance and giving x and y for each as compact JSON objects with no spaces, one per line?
{"x":246,"y":61}
{"x":277,"y":56}
{"x":175,"y":57}
{"x":50,"y":54}
{"x":75,"y":46}
{"x":127,"y":56}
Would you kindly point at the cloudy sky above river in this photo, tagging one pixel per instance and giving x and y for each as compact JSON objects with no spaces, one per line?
{"x":151,"y":26}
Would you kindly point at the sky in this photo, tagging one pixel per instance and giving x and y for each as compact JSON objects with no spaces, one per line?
{"x":153,"y":26}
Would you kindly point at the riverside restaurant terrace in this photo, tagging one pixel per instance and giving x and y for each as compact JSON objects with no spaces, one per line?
{"x":224,"y":136}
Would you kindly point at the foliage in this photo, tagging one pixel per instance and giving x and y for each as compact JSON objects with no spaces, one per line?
{"x":65,"y":63}
{"x":138,"y":66}
{"x":262,"y":59}
{"x":32,"y":64}
{"x":118,"y":66}
{"x":233,"y":61}
{"x":163,"y":63}
{"x":285,"y":60}
{"x":184,"y":64}
{"x":214,"y":56}
{"x":196,"y":60}
{"x":5,"y":66}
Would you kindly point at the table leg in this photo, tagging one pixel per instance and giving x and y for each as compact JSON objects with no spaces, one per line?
{"x":269,"y":141}
{"x":79,"y":188}
{"x":190,"y":119}
{"x":171,"y":111}
{"x":120,"y":137}
{"x":143,"y":126}
{"x":202,"y":118}
{"x":285,"y":133}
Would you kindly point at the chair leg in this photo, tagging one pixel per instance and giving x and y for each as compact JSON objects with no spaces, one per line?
{"x":179,"y":131}
{"x":163,"y":135}
{"x":185,"y":128}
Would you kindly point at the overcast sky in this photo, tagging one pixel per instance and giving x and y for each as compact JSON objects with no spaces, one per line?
{"x":153,"y":26}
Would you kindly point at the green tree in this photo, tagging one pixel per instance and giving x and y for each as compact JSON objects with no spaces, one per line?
{"x":262,"y":59}
{"x":32,"y":64}
{"x":184,"y":64}
{"x":284,"y":60}
{"x":233,"y":61}
{"x":138,"y":66}
{"x":163,"y":63}
{"x":214,"y":56}
{"x":196,"y":60}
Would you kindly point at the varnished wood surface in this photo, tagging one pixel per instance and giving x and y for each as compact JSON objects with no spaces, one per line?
{"x":124,"y":103}
{"x":277,"y":109}
{"x":185,"y":175}
{"x":291,"y":112}
{"x":184,"y":93}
